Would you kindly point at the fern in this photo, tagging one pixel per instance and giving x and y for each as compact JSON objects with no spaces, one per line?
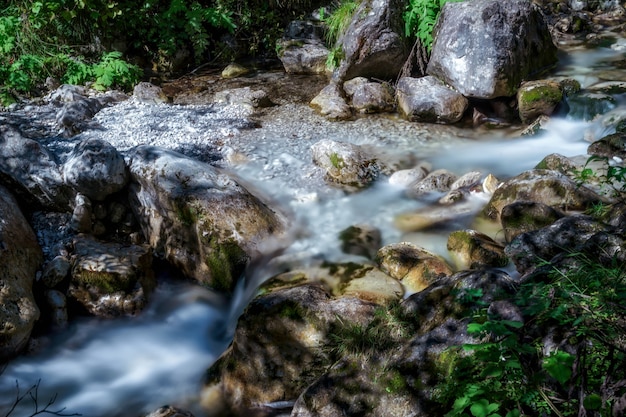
{"x":420,"y":18}
{"x":112,"y":71}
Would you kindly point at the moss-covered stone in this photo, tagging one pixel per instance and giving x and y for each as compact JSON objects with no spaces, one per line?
{"x":536,"y":98}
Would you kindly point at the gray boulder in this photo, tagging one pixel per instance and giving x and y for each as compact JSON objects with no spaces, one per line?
{"x":32,"y":172}
{"x":96,"y":169}
{"x":148,"y":93}
{"x":301,"y":49}
{"x":20,"y":258}
{"x":428,"y":100}
{"x":345,"y":164}
{"x":486,"y":48}
{"x":196,"y":216}
{"x":369,"y":97}
{"x":331,"y":102}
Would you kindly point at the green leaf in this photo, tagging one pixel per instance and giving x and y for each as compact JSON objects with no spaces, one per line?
{"x":559,"y":366}
{"x":483,"y":408}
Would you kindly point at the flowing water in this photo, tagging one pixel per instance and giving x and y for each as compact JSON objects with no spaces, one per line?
{"x":132,"y":366}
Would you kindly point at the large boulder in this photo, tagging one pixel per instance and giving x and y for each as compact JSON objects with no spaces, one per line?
{"x":373,"y":44}
{"x":428,"y":100}
{"x":96,"y":169}
{"x":32,"y":172}
{"x":345,"y":164}
{"x":486,"y":48}
{"x":20,"y":258}
{"x":197,"y":216}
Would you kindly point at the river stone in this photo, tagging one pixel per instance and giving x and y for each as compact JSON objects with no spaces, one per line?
{"x":75,"y":116}
{"x":20,"y":258}
{"x":415,"y":267}
{"x":234,"y":70}
{"x":406,"y":177}
{"x":302,"y":56}
{"x":440,"y":181}
{"x":55,"y":271}
{"x":278,"y":348}
{"x":432,"y":216}
{"x":96,"y":169}
{"x":331,"y":103}
{"x":32,"y":172}
{"x":373,"y":44}
{"x":470,"y":249}
{"x":345,"y":164}
{"x":428,"y":100}
{"x":81,"y":215}
{"x":486,"y":48}
{"x":58,"y":308}
{"x":170,"y":411}
{"x":609,"y":146}
{"x":148,"y":93}
{"x":361,"y":240}
{"x":543,"y":186}
{"x":243,"y":96}
{"x":565,"y":236}
{"x":375,"y":286}
{"x":536,"y":98}
{"x":111,"y":279}
{"x":588,"y":105}
{"x":369,"y":97}
{"x":525,"y":216}
{"x":198,"y":217}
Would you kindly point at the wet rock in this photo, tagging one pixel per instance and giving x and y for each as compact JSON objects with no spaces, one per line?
{"x":96,"y":169}
{"x":536,"y":127}
{"x":20,"y":258}
{"x":56,"y":271}
{"x":170,"y":411}
{"x":345,"y":164}
{"x":415,"y":267}
{"x":525,"y":216}
{"x":433,"y":216}
{"x":243,"y":96}
{"x":471,"y":250}
{"x":81,"y":215}
{"x":58,"y":308}
{"x":406,"y":177}
{"x":462,"y":187}
{"x":278,"y":348}
{"x":369,"y":97}
{"x":588,"y":105}
{"x":148,"y":93}
{"x":76,"y":116}
{"x":428,"y":100}
{"x":485,"y":49}
{"x":543,"y":186}
{"x":528,"y":250}
{"x":110,"y":279}
{"x":301,"y":50}
{"x":198,"y":217}
{"x":374,"y":286}
{"x":331,"y":103}
{"x":19,"y":159}
{"x":563,"y":164}
{"x":362,"y":240}
{"x":490,"y":184}
{"x":234,"y":70}
{"x":373,"y":44}
{"x":609,"y":146}
{"x":439,"y":180}
{"x":536,"y":98}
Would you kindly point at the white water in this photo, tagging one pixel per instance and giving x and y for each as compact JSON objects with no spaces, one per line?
{"x":132,"y":366}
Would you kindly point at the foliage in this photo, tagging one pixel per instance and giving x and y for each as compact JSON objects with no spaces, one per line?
{"x":612,"y":180}
{"x":420,"y":18}
{"x":336,"y":24}
{"x":517,"y":369}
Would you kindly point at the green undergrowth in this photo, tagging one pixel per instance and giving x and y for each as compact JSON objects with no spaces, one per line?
{"x":562,"y":360}
{"x":420,"y":18}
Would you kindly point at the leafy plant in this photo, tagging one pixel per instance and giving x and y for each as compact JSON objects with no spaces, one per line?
{"x":338,"y":21}
{"x":420,"y":18}
{"x":512,"y":370}
{"x":112,"y":70}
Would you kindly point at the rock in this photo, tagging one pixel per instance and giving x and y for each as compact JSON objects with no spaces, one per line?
{"x":471,"y":250}
{"x":536,"y":127}
{"x":96,"y":169}
{"x":536,"y":98}
{"x":66,"y":93}
{"x":369,"y":97}
{"x":428,"y":100}
{"x":234,"y":70}
{"x":415,"y":267}
{"x":55,"y":271}
{"x":148,"y":93}
{"x":525,"y":216}
{"x":462,"y":187}
{"x":374,"y":286}
{"x":542,"y":186}
{"x":58,"y":305}
{"x":529,"y":250}
{"x":20,"y":258}
{"x":19,"y":159}
{"x":490,"y":184}
{"x":243,"y":96}
{"x":81,"y":215}
{"x":588,"y":105}
{"x":437,"y":181}
{"x":198,"y":217}
{"x":432,"y":216}
{"x":345,"y":164}
{"x":278,"y":348}
{"x":485,"y":49}
{"x":169,"y":411}
{"x":111,"y":279}
{"x":331,"y":103}
{"x":373,"y":44}
{"x":75,"y":116}
{"x":301,"y":49}
{"x":362,"y":240}
{"x":609,"y":146}
{"x":406,"y":177}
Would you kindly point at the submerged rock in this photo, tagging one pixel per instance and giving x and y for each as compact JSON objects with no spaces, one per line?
{"x":345,"y":164}
{"x":20,"y":258}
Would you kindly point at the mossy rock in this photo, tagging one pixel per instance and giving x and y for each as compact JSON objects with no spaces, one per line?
{"x":525,"y":216}
{"x":609,"y":146}
{"x":536,"y":98}
{"x":471,"y":249}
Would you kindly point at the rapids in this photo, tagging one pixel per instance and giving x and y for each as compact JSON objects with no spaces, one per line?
{"x":131,"y":366}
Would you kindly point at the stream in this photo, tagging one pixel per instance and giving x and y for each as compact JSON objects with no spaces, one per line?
{"x":131,"y":366}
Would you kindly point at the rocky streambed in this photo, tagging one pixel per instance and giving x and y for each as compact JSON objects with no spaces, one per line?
{"x":318,"y":222}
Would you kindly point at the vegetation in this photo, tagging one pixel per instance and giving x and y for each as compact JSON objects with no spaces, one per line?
{"x":561,"y":360}
{"x":420,"y":18}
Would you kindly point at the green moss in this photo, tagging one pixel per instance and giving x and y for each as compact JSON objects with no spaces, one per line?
{"x":105,"y":281}
{"x":226,"y":262}
{"x":292,"y":310}
{"x":541,"y":93}
{"x":336,"y":160}
{"x":186,"y":213}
